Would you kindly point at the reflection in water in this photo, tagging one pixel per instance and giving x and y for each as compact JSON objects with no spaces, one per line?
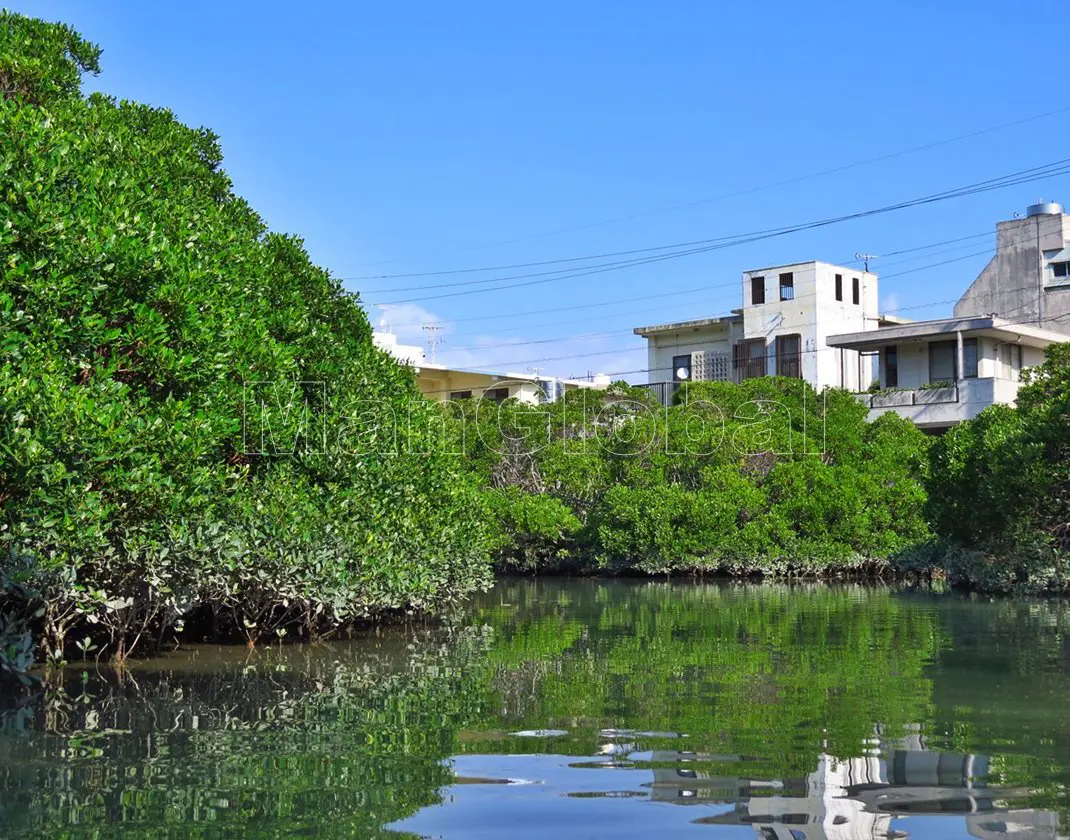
{"x":853,"y":798}
{"x":575,"y":710}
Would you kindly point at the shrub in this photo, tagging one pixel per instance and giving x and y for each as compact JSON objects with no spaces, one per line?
{"x":999,"y":488}
{"x":535,"y":531}
{"x":140,"y":299}
{"x":767,"y":477}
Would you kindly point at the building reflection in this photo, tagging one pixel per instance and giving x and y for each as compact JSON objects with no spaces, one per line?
{"x":854,"y":798}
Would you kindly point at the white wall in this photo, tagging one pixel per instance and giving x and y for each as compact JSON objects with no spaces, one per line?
{"x":439,"y":383}
{"x":913,"y":364}
{"x":661,"y":347}
{"x":837,"y":367}
{"x":974,"y":396}
{"x":914,"y":361}
{"x":814,"y":314}
{"x":1032,"y":356}
{"x":407,"y":354}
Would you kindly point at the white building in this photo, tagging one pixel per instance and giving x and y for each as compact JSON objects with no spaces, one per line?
{"x":782,"y":329}
{"x":443,"y":383}
{"x":407,"y":354}
{"x":939,"y":373}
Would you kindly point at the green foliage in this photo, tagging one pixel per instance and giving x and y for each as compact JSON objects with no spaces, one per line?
{"x":766,"y":477}
{"x":999,"y":488}
{"x":41,"y":62}
{"x":535,"y":530}
{"x":974,"y":486}
{"x":141,"y":303}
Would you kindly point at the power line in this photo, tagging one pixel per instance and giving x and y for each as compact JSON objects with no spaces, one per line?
{"x":735,"y":194}
{"x":1049,"y":170}
{"x":604,"y":303}
{"x":619,"y":332}
{"x":734,"y":284}
{"x":643,"y":347}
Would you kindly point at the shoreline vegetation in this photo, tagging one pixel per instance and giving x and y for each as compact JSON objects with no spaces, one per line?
{"x":140,"y":298}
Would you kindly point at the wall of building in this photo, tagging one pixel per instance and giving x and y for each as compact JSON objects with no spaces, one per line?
{"x":941,"y":409}
{"x":662,"y":347}
{"x":407,"y":354}
{"x":814,"y":314}
{"x":837,"y":367}
{"x":1032,"y":356}
{"x":1017,"y":284}
{"x":913,"y":362}
{"x":439,"y":384}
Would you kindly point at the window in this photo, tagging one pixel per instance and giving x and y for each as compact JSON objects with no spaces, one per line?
{"x":460,"y":395}
{"x":757,"y":290}
{"x":855,"y":291}
{"x":496,"y":394}
{"x":1060,"y":270}
{"x":969,"y":358}
{"x":748,"y":358}
{"x":942,"y":361}
{"x":839,"y":287}
{"x":788,"y":357}
{"x":787,"y":286}
{"x":1010,"y":357}
{"x":891,"y":367}
{"x":681,"y":368}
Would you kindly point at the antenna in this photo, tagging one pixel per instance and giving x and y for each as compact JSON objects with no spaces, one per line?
{"x":535,"y":370}
{"x":866,"y":258}
{"x":433,"y":337}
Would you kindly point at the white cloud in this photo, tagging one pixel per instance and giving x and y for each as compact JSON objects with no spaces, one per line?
{"x":405,"y":320}
{"x":570,"y":356}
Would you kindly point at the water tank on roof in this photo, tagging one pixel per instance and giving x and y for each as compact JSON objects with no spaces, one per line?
{"x":1045,"y":208}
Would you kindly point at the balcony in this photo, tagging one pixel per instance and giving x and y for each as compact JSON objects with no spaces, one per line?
{"x":939,"y":407}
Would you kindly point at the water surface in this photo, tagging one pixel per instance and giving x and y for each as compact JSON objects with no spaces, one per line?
{"x":576,"y":709}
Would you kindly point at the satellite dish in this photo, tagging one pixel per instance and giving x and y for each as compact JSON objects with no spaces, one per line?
{"x":683,"y":373}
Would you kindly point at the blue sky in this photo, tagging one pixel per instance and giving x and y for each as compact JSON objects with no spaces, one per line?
{"x":418,"y":137}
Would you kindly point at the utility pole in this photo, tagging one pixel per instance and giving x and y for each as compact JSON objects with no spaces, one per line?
{"x":433,"y":337}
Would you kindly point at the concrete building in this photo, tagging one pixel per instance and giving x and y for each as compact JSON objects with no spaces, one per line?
{"x":407,"y":354}
{"x":782,"y":328}
{"x":939,"y":373}
{"x":443,"y":383}
{"x":1028,"y":280}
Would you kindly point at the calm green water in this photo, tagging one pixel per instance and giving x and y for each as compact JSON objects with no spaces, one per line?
{"x":577,"y":710}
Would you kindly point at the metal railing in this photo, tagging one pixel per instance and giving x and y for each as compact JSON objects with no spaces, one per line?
{"x":662,"y":390}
